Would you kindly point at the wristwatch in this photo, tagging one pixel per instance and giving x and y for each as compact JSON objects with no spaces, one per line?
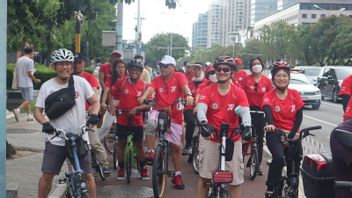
{"x":189,"y":94}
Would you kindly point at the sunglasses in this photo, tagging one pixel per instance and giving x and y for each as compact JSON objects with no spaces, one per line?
{"x":163,"y":66}
{"x":212,"y":72}
{"x":224,"y":69}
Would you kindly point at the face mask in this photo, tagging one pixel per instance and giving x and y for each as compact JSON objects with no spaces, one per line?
{"x":213,"y":78}
{"x":257,"y":68}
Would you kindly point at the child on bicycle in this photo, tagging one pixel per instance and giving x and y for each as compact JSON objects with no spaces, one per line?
{"x":283,"y":109}
{"x":126,"y":90}
{"x":216,"y":105}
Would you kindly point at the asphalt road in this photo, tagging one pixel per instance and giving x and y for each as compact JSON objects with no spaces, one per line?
{"x":328,"y":116}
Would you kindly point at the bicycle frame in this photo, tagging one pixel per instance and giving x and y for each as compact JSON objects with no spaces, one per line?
{"x":74,"y":179}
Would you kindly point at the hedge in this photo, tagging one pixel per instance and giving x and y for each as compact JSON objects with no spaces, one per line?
{"x":43,"y":72}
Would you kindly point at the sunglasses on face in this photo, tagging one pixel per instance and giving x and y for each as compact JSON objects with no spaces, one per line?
{"x":163,"y":66}
{"x":135,"y":69}
{"x":212,"y":72}
{"x":224,"y":69}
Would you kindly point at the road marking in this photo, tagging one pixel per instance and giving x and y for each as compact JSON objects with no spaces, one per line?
{"x":332,"y":104}
{"x":322,"y":121}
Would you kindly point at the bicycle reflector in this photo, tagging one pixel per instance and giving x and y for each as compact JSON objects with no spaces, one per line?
{"x":222,"y":176}
{"x":317,"y":161}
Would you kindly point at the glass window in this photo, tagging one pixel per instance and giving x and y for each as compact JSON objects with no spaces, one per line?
{"x":314,"y":16}
{"x":304,"y":16}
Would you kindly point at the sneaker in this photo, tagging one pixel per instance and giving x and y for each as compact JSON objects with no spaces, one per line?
{"x":187,"y":150}
{"x":177,"y":181}
{"x":106,"y":171}
{"x":29,"y":117}
{"x":16,"y":113}
{"x":144,"y":174}
{"x":121,"y":174}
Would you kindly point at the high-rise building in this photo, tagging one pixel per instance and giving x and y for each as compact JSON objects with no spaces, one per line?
{"x":283,"y":4}
{"x":236,"y":20}
{"x":200,"y":31}
{"x":261,"y":9}
{"x":216,"y":24}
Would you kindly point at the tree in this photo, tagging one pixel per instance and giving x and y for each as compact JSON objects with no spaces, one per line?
{"x":159,"y":45}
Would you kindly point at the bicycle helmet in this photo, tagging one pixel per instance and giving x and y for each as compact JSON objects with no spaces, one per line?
{"x":135,"y":63}
{"x":61,"y":55}
{"x":280,"y":65}
{"x":225,"y":60}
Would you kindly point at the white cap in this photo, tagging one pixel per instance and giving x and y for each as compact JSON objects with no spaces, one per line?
{"x":168,"y":60}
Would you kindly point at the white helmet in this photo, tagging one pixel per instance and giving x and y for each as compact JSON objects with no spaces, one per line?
{"x":62,"y":54}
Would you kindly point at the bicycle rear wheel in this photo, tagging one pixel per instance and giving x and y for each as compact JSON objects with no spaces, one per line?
{"x":128,"y":165}
{"x":253,"y":163}
{"x":108,"y":142}
{"x":159,"y":172}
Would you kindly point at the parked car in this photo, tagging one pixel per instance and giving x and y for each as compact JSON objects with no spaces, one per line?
{"x":311,"y":95}
{"x":330,"y":80}
{"x":311,"y":72}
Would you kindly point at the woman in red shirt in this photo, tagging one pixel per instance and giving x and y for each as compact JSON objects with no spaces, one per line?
{"x":283,"y":109}
{"x":255,"y":86}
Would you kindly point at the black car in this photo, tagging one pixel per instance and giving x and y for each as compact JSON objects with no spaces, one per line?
{"x":330,"y":80}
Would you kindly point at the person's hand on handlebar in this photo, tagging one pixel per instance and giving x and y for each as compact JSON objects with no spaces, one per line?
{"x":133,"y":111}
{"x":247,"y":135}
{"x":270,"y":128}
{"x":141,"y":99}
{"x":93,"y":119}
{"x":205,"y":129}
{"x":189,"y":100}
{"x":48,"y":128}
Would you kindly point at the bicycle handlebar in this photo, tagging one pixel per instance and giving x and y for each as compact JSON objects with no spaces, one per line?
{"x":178,"y":101}
{"x":63,"y":134}
{"x":304,"y":133}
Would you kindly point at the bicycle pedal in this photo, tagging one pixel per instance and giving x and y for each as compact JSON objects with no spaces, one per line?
{"x":171,"y":173}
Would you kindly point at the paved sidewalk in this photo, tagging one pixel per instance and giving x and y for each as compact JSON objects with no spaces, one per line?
{"x":24,"y":172}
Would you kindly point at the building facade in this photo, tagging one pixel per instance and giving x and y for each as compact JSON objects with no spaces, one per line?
{"x":261,"y":9}
{"x":200,"y":31}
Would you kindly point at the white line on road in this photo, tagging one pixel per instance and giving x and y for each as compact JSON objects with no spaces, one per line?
{"x":322,"y":121}
{"x":332,"y":104}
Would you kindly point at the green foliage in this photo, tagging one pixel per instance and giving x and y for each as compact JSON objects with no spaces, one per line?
{"x":159,"y":45}
{"x":209,"y":54}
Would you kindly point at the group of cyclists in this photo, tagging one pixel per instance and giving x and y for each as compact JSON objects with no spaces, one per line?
{"x":214,"y":93}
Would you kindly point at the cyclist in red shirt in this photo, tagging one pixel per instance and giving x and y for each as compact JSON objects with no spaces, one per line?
{"x":127,"y":90}
{"x":216,"y":105}
{"x":256,"y":85}
{"x":239,"y":73}
{"x":283,"y":109}
{"x":97,"y":146}
{"x":345,"y":93}
{"x":105,"y":70}
{"x":196,"y":80}
{"x":168,"y":87}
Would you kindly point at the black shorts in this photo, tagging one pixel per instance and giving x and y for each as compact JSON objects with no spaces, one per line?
{"x":54,"y":157}
{"x":123,"y":131}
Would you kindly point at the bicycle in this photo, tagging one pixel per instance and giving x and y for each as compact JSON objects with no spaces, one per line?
{"x":253,"y":161}
{"x":288,"y":183}
{"x":76,"y":145}
{"x":96,"y":165}
{"x":160,"y":161}
{"x":194,"y":158}
{"x":130,"y":151}
{"x":218,"y":187}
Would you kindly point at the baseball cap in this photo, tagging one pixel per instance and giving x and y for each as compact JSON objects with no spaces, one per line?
{"x":168,"y":60}
{"x":27,"y":50}
{"x":116,"y":52}
{"x":78,"y":57}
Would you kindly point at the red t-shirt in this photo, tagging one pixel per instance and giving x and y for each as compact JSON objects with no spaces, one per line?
{"x":106,"y":70}
{"x":108,"y":81}
{"x":239,"y":76}
{"x":283,"y":110}
{"x":255,"y":92}
{"x":129,"y":92}
{"x":346,"y":89}
{"x":194,"y":90}
{"x":92,"y":80}
{"x":221,"y":108}
{"x":167,"y":92}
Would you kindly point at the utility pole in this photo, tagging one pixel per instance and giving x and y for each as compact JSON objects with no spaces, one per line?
{"x":79,"y":19}
{"x":119,"y":23}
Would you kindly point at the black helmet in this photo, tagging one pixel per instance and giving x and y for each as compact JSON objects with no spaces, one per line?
{"x":225,"y":60}
{"x":278,"y":66}
{"x":135,"y":63}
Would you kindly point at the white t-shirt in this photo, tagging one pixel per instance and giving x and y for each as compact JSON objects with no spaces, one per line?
{"x":74,"y":118}
{"x":24,"y":64}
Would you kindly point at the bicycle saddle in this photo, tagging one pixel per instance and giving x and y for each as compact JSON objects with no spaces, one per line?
{"x":343,"y":137}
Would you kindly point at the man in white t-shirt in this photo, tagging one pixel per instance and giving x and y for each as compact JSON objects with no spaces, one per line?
{"x":55,"y":152}
{"x":25,"y":78}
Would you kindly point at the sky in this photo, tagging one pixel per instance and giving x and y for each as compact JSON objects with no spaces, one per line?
{"x":159,"y":19}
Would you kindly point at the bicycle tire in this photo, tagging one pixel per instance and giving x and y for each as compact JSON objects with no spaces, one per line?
{"x":114,"y":156}
{"x":253,"y":166}
{"x":159,"y":172}
{"x":195,"y":155}
{"x":108,"y":142}
{"x":128,"y":165}
{"x":99,"y":169}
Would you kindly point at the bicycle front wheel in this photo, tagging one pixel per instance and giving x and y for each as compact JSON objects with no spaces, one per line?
{"x":195,"y":155}
{"x":128,"y":165}
{"x":114,"y":155}
{"x":253,"y":163}
{"x":159,"y":172}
